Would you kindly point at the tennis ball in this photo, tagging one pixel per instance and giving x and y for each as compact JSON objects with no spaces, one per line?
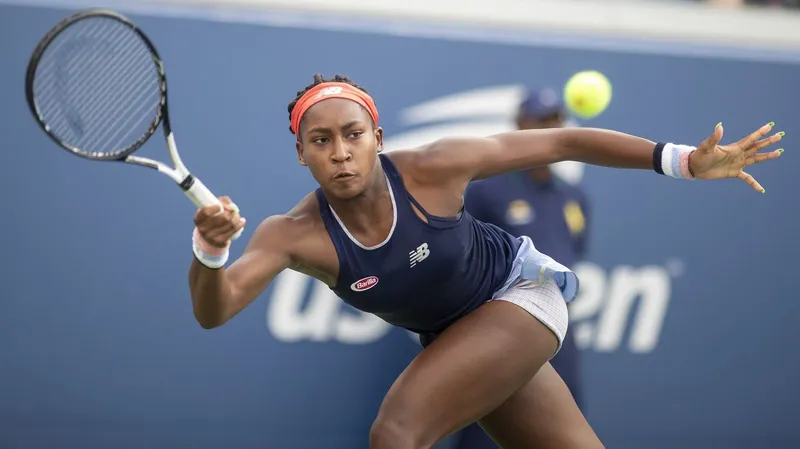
{"x":587,"y":93}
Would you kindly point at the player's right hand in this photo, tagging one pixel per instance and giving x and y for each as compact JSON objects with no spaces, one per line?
{"x":217,"y":227}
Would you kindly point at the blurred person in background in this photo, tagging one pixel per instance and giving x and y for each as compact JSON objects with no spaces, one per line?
{"x":550,"y":211}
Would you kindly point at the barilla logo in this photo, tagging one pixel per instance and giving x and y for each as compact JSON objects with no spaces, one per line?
{"x":364,"y":284}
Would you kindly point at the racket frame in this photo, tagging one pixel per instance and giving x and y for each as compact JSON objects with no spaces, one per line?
{"x":194,"y":189}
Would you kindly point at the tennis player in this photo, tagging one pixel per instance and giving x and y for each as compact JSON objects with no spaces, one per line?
{"x":389,"y":235}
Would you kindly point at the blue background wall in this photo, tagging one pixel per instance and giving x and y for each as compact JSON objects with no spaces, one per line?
{"x":98,"y":346}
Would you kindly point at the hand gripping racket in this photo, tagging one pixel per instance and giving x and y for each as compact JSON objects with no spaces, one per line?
{"x":97,"y":87}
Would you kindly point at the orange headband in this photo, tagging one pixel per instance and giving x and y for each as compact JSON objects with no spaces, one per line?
{"x":324,"y":91}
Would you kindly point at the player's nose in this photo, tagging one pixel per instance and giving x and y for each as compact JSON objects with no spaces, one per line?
{"x":340,"y":152}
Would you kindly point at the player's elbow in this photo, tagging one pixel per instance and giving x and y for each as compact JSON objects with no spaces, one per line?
{"x":208,"y":324}
{"x":208,"y":320}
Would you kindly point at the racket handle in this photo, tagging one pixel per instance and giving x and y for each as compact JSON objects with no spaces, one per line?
{"x":202,"y":197}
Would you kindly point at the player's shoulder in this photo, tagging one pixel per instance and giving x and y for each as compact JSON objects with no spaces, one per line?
{"x":290,"y":227}
{"x":423,"y":165}
{"x":406,"y":161}
{"x":411,"y":165}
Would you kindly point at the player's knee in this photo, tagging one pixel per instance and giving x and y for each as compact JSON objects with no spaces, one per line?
{"x":391,"y":432}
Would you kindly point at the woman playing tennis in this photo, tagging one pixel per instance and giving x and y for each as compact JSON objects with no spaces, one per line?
{"x":388,"y":233}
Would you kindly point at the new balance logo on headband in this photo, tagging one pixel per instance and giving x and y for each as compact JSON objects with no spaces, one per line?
{"x":418,"y":255}
{"x":328,"y":91}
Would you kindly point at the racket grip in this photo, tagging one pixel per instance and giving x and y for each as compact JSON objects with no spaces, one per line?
{"x":202,"y":197}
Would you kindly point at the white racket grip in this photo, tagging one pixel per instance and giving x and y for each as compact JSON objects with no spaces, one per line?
{"x":202,"y":197}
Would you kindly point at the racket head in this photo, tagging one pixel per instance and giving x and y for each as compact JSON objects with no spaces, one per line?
{"x":96,"y":85}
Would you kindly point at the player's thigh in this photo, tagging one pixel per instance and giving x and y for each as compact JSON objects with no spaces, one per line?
{"x":471,"y":368}
{"x":541,"y":415}
{"x":567,"y":364}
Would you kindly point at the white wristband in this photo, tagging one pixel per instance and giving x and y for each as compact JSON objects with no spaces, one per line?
{"x":208,"y":255}
{"x":672,"y":160}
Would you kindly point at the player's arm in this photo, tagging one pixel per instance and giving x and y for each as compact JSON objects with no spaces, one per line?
{"x":219,"y":294}
{"x":462,"y":160}
{"x":466,"y":159}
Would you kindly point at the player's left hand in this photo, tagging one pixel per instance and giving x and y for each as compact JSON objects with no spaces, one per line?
{"x":714,"y":161}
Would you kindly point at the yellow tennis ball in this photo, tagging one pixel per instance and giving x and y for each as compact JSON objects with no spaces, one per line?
{"x":587,"y":94}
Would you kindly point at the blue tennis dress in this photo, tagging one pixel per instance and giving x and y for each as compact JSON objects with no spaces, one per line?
{"x":425,"y":276}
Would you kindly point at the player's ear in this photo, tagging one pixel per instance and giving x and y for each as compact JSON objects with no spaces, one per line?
{"x":300,"y":158}
{"x":379,"y":138}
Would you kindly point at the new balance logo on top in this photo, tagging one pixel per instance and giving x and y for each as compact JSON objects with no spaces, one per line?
{"x":418,"y":255}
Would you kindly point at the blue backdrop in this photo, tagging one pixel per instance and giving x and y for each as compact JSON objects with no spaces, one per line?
{"x":689,"y":301}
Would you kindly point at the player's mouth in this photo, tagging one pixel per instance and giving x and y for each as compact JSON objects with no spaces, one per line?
{"x":344,"y":176}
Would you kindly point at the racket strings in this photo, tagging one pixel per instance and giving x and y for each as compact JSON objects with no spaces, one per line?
{"x":45,"y":67}
{"x":105,"y":87}
{"x":97,"y":87}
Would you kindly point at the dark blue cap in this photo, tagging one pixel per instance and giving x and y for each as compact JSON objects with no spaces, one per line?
{"x":540,"y":103}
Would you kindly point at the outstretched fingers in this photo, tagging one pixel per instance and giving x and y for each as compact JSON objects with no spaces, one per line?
{"x":756,"y":138}
{"x":751,"y":181}
{"x":761,"y":157}
{"x":764,"y":143}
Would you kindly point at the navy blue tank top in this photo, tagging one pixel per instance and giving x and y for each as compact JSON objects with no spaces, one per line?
{"x":424,"y":276}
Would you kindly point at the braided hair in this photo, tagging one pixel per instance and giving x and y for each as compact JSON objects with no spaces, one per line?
{"x":318,"y":79}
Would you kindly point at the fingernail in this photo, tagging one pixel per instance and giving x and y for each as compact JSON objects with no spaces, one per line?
{"x":718,"y":125}
{"x":781,"y":133}
{"x":763,"y":190}
{"x":780,"y":150}
{"x":771,"y":124}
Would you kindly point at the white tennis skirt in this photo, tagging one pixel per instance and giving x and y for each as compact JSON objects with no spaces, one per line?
{"x":542,"y":287}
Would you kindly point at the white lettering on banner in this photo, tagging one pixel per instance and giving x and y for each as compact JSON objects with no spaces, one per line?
{"x":604,"y":307}
{"x":322,"y":319}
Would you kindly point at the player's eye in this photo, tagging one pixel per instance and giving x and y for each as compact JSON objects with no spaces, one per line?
{"x":320,"y":140}
{"x":356,"y":134}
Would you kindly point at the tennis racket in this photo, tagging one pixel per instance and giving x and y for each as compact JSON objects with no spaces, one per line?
{"x":97,"y":86}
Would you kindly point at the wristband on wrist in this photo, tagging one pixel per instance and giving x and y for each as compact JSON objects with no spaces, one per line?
{"x":207,"y":254}
{"x":672,"y":160}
